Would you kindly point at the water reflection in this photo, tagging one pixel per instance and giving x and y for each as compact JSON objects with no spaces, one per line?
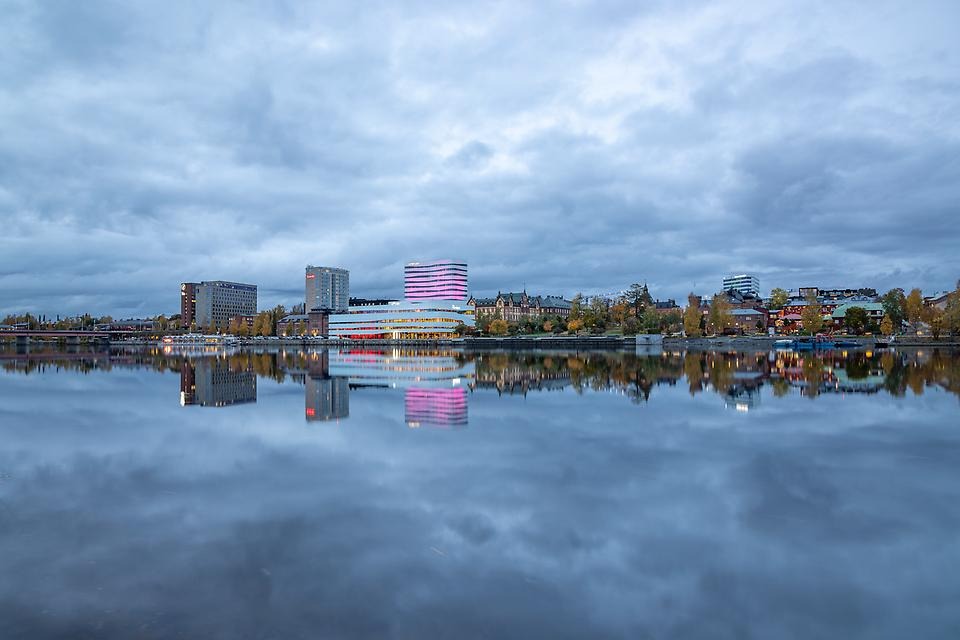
{"x":595,"y":495}
{"x":437,"y":384}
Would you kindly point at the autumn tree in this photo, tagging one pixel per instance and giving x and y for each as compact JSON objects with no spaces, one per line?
{"x":691,"y":317}
{"x":234,"y":327}
{"x":778,"y":298}
{"x":913,"y":306}
{"x":575,"y":326}
{"x":719,"y":315}
{"x":810,"y":316}
{"x":886,"y":327}
{"x":498,"y":327}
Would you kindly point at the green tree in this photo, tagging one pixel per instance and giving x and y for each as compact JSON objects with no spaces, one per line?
{"x":576,"y":307}
{"x":692,"y":317}
{"x":894,"y":307}
{"x":651,"y":320}
{"x":638,"y":297}
{"x":951,"y":315}
{"x":631,"y":326}
{"x":913,"y":306}
{"x":720,"y":317}
{"x":778,"y":298}
{"x":811,"y":316}
{"x":856,"y":320}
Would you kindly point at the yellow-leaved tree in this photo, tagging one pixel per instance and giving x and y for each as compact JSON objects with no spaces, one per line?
{"x":810,"y":316}
{"x":691,"y":317}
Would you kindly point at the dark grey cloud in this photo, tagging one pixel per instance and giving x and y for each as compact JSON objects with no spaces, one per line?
{"x":579,"y":146}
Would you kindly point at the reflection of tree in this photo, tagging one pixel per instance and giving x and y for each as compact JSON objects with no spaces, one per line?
{"x":635,"y":376}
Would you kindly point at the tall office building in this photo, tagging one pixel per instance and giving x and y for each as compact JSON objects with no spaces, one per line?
{"x":744,"y":283}
{"x":440,"y":280}
{"x":217,"y":301}
{"x":188,"y":303}
{"x":327,"y":288}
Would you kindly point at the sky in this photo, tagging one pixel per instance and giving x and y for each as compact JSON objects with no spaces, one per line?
{"x":557,"y":146}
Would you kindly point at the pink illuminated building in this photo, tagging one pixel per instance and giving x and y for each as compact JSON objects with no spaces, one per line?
{"x":440,"y":280}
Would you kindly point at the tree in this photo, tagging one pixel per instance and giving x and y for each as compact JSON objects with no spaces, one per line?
{"x":257,"y":324}
{"x":913,"y":306}
{"x":691,"y":317}
{"x":856,"y":320}
{"x":810,"y":316}
{"x":234,"y":327}
{"x":935,"y":320}
{"x":720,"y":317}
{"x":651,"y":320}
{"x":778,"y":298}
{"x":631,"y":326}
{"x":498,"y":327}
{"x":576,"y":307}
{"x":619,"y":313}
{"x":951,"y":315}
{"x":894,"y":303}
{"x":548,"y":326}
{"x":638,"y":297}
{"x":243,"y":330}
{"x":266,"y":326}
{"x":575,"y":325}
{"x":886,"y":327}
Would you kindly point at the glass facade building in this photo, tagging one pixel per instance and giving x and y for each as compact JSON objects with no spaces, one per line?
{"x":744,"y":283}
{"x":440,"y":280}
{"x":402,"y":320}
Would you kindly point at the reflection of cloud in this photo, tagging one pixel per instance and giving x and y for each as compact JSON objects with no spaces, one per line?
{"x":568,"y":515}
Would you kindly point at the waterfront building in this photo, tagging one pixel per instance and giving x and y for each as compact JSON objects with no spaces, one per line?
{"x":315,"y":323}
{"x":514,"y":307}
{"x":407,"y":319}
{"x":327,"y":288}
{"x":743,"y":282}
{"x":188,"y":303}
{"x":438,"y":280}
{"x":746,"y":320}
{"x":875,"y":312}
{"x":212,"y":304}
{"x":664,"y":307}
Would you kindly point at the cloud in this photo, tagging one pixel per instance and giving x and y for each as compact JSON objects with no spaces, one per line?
{"x":583,"y":147}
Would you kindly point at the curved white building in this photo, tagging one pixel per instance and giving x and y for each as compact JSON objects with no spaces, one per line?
{"x":407,"y":319}
{"x":439,"y":280}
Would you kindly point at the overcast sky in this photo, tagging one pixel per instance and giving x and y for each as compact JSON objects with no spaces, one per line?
{"x":564,"y":146}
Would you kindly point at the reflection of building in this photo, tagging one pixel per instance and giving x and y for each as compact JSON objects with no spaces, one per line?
{"x":327,"y":288}
{"x":436,"y":407}
{"x":407,"y":319}
{"x":209,"y":382}
{"x":216,"y":302}
{"x":327,"y":398}
{"x":439,"y":280}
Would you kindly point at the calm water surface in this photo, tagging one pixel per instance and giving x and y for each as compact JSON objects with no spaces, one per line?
{"x":399,"y":494}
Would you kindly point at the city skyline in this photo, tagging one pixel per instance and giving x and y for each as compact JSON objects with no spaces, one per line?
{"x":161,"y":143}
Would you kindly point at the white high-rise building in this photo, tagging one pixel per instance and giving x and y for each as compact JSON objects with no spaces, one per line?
{"x":327,"y":288}
{"x":744,"y":283}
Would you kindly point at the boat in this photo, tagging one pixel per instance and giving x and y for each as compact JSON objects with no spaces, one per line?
{"x":809,"y":344}
{"x":783,"y":344}
{"x":199,"y":340}
{"x":846,"y":343}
